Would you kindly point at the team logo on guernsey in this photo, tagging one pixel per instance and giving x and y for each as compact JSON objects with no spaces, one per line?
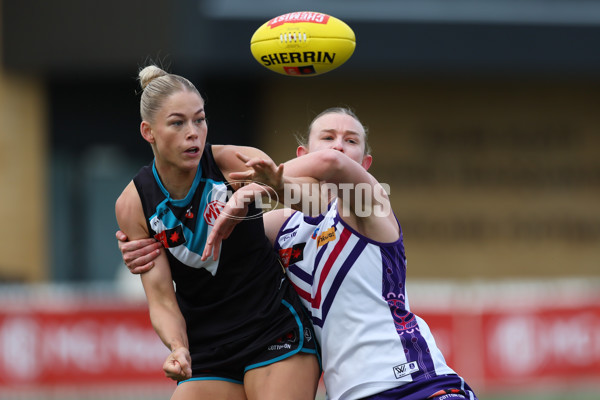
{"x":171,"y":237}
{"x":314,"y":234}
{"x":326,"y":237}
{"x":292,"y":255}
{"x":212,"y":211}
{"x":405,"y":369}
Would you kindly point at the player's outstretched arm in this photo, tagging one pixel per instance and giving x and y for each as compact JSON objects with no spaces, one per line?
{"x":363,"y":201}
{"x":165,"y":315}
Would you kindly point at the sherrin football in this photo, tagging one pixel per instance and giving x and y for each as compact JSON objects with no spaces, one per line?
{"x":303,"y":43}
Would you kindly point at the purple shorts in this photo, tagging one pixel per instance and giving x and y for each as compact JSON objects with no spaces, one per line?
{"x":443,"y":387}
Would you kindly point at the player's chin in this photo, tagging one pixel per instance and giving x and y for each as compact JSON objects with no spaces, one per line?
{"x":190,"y":161}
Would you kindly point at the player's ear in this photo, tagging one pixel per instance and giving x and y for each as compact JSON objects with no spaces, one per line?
{"x":301,"y":150}
{"x":366,"y":162}
{"x":146,"y":131}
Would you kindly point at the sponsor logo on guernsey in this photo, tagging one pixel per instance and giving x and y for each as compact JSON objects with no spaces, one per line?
{"x":314,"y":234}
{"x":297,"y":17}
{"x":405,"y":369}
{"x":326,"y":237}
{"x":212,"y":211}
{"x":287,"y":237}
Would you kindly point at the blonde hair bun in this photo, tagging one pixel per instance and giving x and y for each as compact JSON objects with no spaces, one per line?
{"x":148,"y":74}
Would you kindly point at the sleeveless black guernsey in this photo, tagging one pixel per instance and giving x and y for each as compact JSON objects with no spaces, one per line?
{"x":237,"y":297}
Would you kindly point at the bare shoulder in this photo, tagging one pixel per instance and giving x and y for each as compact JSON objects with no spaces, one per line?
{"x":371,"y":214}
{"x":274,"y":220}
{"x":384,"y":229}
{"x":130,"y":214}
{"x":126,"y":199}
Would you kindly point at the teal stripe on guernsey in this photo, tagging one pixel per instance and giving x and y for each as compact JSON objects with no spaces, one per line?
{"x":195,"y":241}
{"x":188,"y":197}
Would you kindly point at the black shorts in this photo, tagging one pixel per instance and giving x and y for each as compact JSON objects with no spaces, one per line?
{"x":238,"y":357}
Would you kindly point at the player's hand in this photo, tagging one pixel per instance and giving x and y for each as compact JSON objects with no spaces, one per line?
{"x":178,"y":365}
{"x":138,"y":255}
{"x":232,"y":214}
{"x":264,"y":171}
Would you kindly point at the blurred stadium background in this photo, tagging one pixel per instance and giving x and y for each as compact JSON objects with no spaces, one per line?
{"x":484,"y":122}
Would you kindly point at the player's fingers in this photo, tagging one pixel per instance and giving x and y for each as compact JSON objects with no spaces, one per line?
{"x":186,"y":366}
{"x":136,"y":258}
{"x":207,"y":251}
{"x":254,"y":162}
{"x":213,"y":242}
{"x":139,"y":244}
{"x":150,"y":243}
{"x":179,"y":364}
{"x":260,"y":165}
{"x":141,"y":269}
{"x":279,"y":174}
{"x":121,"y":236}
{"x":173,"y":370}
{"x":216,"y":250}
{"x":242,"y":156}
{"x":144,"y":257}
{"x":279,"y":170}
{"x":243,"y":175}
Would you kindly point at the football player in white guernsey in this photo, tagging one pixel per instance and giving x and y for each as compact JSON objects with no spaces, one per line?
{"x":346,"y":259}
